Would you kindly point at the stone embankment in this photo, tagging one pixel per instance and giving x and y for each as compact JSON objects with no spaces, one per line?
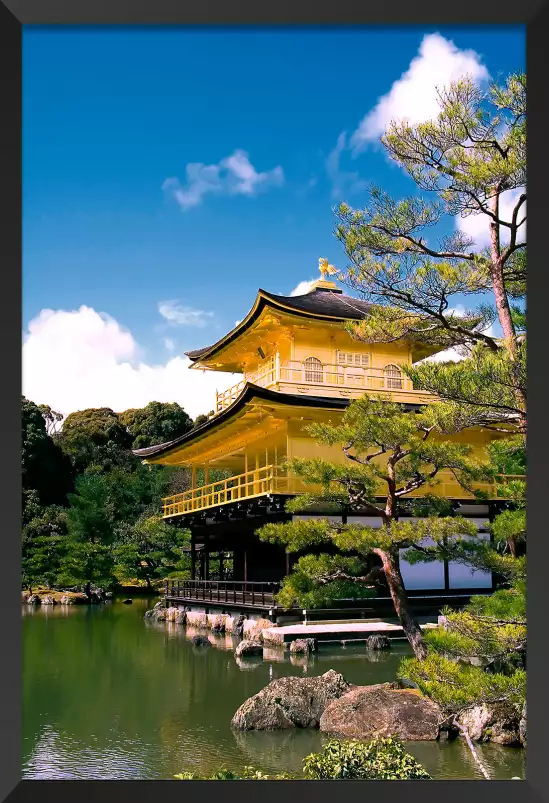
{"x":237,"y":625}
{"x":54,"y":598}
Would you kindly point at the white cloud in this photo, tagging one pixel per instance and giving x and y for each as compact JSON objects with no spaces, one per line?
{"x":169,"y":343}
{"x":477,"y":226}
{"x":457,"y":354}
{"x":82,"y":358}
{"x":414,"y":95}
{"x":234,"y":175}
{"x":174,"y":313}
{"x":343,"y":182}
{"x":303,"y":287}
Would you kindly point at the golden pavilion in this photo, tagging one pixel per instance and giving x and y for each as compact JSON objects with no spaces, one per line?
{"x":298,"y":365}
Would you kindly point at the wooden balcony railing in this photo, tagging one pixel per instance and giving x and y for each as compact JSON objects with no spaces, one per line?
{"x":243,"y":486}
{"x":233,"y":592}
{"x":326,"y":375}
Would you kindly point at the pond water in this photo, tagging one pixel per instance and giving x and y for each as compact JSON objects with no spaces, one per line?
{"x":107,"y":695}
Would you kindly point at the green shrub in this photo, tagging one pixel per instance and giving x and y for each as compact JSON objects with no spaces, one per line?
{"x":249,"y":774}
{"x":380,"y":759}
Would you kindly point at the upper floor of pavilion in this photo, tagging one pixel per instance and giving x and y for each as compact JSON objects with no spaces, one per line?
{"x":301,"y":345}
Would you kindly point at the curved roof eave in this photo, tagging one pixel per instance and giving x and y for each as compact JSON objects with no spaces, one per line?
{"x":249,"y":392}
{"x":319,"y":304}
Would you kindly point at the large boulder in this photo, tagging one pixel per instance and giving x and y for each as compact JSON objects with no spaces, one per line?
{"x":248,"y":647}
{"x":303,"y":646}
{"x":494,"y":722}
{"x":382,"y":710}
{"x":290,"y":702}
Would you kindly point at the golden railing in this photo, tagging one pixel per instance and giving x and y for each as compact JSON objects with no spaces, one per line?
{"x":274,"y":479}
{"x":351,"y":376}
{"x":257,"y":482}
{"x":323,"y":375}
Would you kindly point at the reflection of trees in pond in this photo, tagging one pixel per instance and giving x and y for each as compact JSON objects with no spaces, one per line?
{"x":453,"y":760}
{"x":279,"y":750}
{"x":249,"y":663}
{"x":303,"y":660}
{"x":275,"y":654}
{"x":378,"y":656}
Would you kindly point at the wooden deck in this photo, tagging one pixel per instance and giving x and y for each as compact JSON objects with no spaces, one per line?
{"x":259,"y":597}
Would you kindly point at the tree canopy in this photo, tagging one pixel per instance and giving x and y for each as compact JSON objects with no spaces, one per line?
{"x":155,"y":423}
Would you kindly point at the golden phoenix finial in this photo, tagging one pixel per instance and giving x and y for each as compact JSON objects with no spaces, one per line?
{"x":326,"y":269}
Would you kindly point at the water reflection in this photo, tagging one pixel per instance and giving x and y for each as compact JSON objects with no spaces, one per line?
{"x":109,"y":695}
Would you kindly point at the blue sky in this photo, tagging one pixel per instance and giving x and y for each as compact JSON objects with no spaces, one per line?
{"x":115,"y":221}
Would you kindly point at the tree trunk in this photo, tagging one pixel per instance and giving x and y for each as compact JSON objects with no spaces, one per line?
{"x":498,"y":284}
{"x":501,"y":298}
{"x":402,"y":608}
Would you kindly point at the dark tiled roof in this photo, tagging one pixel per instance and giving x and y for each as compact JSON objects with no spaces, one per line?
{"x":319,"y":302}
{"x":194,"y":355}
{"x":324,"y":302}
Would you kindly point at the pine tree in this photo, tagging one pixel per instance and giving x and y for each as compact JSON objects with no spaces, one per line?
{"x":387,"y":454}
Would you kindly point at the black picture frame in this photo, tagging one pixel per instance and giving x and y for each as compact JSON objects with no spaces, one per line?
{"x":14,"y":14}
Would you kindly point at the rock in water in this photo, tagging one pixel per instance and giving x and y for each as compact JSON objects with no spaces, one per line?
{"x":522,"y":725}
{"x":248,"y":647}
{"x":127,"y":601}
{"x":496,"y":722}
{"x":177,"y":615}
{"x":66,"y":600}
{"x":382,"y":710}
{"x":378,"y":643}
{"x":34,"y":599}
{"x":291,"y":702}
{"x":303,"y":646}
{"x":48,"y":600}
{"x":200,"y":641}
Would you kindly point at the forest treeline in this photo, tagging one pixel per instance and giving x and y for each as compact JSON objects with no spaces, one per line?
{"x":91,"y":508}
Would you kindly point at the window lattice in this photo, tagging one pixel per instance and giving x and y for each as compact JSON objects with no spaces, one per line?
{"x":348,"y":358}
{"x":313,"y":370}
{"x":393,"y":377}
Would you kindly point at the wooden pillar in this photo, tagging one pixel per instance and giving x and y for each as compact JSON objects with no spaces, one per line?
{"x":446,"y":570}
{"x":256,"y":475}
{"x":193,"y":557}
{"x":245,"y":568}
{"x":193,"y":477}
{"x":221,"y":570}
{"x":287,"y":563}
{"x":206,"y":558}
{"x":277,"y":366}
{"x":206,"y":475}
